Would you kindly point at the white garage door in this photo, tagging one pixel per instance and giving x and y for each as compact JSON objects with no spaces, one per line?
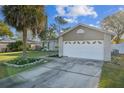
{"x":84,"y":49}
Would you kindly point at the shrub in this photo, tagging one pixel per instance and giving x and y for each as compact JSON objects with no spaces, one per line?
{"x":20,"y":61}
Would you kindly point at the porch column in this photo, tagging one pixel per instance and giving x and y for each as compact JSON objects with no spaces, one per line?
{"x":60,"y":46}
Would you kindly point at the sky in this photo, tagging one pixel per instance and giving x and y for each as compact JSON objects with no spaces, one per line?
{"x":91,"y":15}
{"x":74,"y":14}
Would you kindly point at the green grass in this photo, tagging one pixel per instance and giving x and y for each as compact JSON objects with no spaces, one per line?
{"x":12,"y":55}
{"x":113,"y":74}
{"x":6,"y":71}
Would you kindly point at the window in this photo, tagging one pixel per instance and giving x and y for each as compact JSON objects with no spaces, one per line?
{"x":66,"y":42}
{"x":83,"y":42}
{"x":99,"y":42}
{"x":69,"y":42}
{"x":94,"y":42}
{"x":78,"y":42}
{"x":74,"y":42}
{"x":88,"y":42}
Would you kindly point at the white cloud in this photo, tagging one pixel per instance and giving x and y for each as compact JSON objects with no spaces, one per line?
{"x":94,"y":25}
{"x":60,"y":10}
{"x":121,"y":8}
{"x":76,"y":11}
{"x":71,"y":20}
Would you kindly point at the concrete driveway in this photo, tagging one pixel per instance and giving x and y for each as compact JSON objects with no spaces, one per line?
{"x":60,"y":73}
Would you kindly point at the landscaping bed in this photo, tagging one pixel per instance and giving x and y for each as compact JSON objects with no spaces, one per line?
{"x":19,"y":62}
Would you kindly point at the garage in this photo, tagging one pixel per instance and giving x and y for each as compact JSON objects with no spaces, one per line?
{"x":84,"y":41}
{"x":84,"y":49}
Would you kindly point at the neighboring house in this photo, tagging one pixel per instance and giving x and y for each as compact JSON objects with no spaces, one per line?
{"x":84,"y":41}
{"x":36,"y":43}
{"x":119,"y":47}
{"x":29,"y":36}
{"x":4,"y":43}
{"x":51,"y":45}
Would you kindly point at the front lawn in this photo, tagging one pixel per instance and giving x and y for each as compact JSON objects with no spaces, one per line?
{"x":12,"y":55}
{"x":113,"y":74}
{"x":6,"y":71}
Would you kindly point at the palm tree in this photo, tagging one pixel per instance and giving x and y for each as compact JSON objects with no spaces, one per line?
{"x":60,"y":21}
{"x":23,"y":17}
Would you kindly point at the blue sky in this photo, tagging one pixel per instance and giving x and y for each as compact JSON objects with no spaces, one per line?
{"x":91,"y":15}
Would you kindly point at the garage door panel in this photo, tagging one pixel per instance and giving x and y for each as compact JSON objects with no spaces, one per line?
{"x":90,"y":51}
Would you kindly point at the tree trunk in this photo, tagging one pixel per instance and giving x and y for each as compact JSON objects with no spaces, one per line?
{"x":24,"y":55}
{"x":117,"y":39}
{"x":59,"y":30}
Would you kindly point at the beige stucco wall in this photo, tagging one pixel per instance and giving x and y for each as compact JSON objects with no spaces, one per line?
{"x":107,"y":47}
{"x":89,"y":34}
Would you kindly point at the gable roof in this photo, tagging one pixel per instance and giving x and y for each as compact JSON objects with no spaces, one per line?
{"x":90,"y":27}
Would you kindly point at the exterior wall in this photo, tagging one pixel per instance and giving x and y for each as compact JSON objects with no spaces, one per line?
{"x":60,"y":46}
{"x":107,"y":47}
{"x":89,"y":34}
{"x":33,"y":46}
{"x":29,"y":36}
{"x":53,"y":44}
{"x":3,"y":46}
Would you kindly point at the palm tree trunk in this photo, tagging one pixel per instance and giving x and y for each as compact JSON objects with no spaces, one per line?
{"x":24,"y":55}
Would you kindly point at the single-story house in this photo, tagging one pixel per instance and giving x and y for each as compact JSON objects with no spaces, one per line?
{"x":33,"y":45}
{"x":4,"y":43}
{"x":48,"y":45}
{"x":84,"y":41}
